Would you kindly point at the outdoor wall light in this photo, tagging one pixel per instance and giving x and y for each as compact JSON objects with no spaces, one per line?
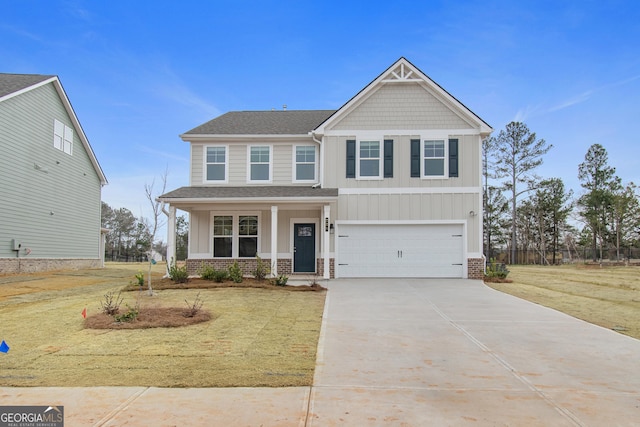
{"x":332,"y":229}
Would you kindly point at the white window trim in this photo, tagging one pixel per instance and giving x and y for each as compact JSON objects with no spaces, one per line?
{"x":294,"y":163}
{"x":65,"y":133}
{"x":259,"y":181}
{"x":235,"y":231}
{"x":226,"y":165}
{"x":380,"y":176}
{"x":445,"y":161}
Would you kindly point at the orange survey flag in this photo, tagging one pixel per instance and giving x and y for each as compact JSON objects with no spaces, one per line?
{"x":84,"y":313}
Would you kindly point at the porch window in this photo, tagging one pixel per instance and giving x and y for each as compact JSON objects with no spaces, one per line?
{"x":369,"y":159}
{"x":305,"y":163}
{"x":222,"y":236}
{"x":216,"y":164}
{"x":259,"y":163}
{"x":433,"y":158}
{"x":248,"y":236}
{"x":235,"y":236}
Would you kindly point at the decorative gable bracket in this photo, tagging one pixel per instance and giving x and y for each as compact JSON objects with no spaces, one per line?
{"x":401,"y":74}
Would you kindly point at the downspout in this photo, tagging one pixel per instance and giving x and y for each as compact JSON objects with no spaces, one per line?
{"x":321,"y":162}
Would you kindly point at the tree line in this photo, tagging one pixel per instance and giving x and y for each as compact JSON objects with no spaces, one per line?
{"x":530,"y":219}
{"x":129,"y":238}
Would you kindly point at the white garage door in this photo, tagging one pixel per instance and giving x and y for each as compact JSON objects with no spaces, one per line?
{"x":399,"y":250}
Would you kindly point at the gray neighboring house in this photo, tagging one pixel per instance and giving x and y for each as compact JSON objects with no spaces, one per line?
{"x":388,"y":185}
{"x":50,"y":180}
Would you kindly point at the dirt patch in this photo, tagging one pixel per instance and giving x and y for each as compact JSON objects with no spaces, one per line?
{"x":152,"y":317}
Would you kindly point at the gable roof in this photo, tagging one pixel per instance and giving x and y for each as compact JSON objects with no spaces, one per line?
{"x":280,"y":122}
{"x":403,"y":71}
{"x":12,"y":85}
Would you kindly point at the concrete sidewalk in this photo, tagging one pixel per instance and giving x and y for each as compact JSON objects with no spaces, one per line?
{"x":406,"y":352}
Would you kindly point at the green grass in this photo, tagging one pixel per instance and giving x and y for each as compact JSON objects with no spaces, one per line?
{"x":605,"y":296}
{"x":257,"y":337}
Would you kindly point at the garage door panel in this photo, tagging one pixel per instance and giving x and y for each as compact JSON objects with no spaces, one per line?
{"x":403,"y":250}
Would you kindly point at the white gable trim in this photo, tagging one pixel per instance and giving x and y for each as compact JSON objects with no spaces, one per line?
{"x":402,"y":71}
{"x":27,"y":89}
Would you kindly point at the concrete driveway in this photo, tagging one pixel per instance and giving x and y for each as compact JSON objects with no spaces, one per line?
{"x":406,"y":353}
{"x":455,"y":352}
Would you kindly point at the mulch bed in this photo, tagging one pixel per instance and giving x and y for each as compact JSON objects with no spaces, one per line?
{"x":198,"y":283}
{"x":149,"y":317}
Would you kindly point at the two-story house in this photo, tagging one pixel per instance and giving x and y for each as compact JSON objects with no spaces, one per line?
{"x":50,"y":180}
{"x":388,"y":185}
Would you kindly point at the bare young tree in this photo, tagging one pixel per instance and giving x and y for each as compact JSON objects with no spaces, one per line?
{"x":156,"y":212}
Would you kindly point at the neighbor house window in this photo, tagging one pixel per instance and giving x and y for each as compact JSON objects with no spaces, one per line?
{"x":369,"y":159}
{"x":235,"y":236}
{"x":305,"y":163}
{"x":216,"y":164}
{"x":62,"y":137}
{"x":260,"y":163}
{"x":433,"y":158}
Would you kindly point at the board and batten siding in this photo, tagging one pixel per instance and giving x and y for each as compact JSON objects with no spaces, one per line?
{"x":400,"y":206}
{"x":50,"y":200}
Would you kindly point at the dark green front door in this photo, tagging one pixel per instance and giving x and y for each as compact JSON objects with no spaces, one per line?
{"x":304,"y":248}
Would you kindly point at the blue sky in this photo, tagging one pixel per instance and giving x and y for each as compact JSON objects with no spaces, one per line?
{"x":139,"y":73}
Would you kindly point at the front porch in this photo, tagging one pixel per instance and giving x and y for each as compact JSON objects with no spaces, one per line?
{"x":289,"y":228}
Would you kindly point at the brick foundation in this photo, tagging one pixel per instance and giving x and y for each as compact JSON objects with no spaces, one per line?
{"x":36,"y":265}
{"x":475,"y":268}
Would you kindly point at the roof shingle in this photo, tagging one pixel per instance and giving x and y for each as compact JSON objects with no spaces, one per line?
{"x":10,"y":83}
{"x":250,"y":191}
{"x":293,"y":122}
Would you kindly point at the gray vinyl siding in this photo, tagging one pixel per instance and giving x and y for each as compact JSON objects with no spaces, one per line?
{"x":67,"y":186}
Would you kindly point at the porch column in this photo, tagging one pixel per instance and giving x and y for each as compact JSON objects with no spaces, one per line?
{"x":171,"y":235}
{"x":325,"y":240}
{"x":274,"y":241}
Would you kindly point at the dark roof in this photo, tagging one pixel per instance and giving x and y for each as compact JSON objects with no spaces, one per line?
{"x":280,"y":122}
{"x":250,"y":191}
{"x":10,"y":83}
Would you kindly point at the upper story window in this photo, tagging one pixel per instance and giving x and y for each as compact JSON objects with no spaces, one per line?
{"x":433,"y":158}
{"x":216,"y":165}
{"x":305,"y":163}
{"x":369,"y":159}
{"x":62,"y":137}
{"x":259,"y":163}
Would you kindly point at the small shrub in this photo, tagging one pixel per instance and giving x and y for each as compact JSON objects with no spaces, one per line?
{"x":178,"y":274}
{"x":140,"y":278}
{"x":262,"y":269}
{"x":281,"y":280}
{"x":129,"y":316}
{"x":496,"y":270}
{"x":207,"y":272}
{"x":235,"y":272}
{"x":111,"y":303}
{"x":193,"y":308}
{"x":220,"y":276}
